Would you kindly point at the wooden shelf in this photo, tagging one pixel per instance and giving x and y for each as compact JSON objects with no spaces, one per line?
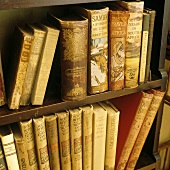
{"x":51,"y":106}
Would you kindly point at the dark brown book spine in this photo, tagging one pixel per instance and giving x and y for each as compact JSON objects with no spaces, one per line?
{"x":2,"y":86}
{"x":118,"y":21}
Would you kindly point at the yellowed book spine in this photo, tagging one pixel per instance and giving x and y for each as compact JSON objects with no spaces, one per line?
{"x":39,"y":36}
{"x":143,"y":133}
{"x":41,"y":143}
{"x":64,"y":140}
{"x":28,"y":135}
{"x":87,"y":129}
{"x":99,"y":136}
{"x":76,"y":138}
{"x":134,"y":130}
{"x":45,"y":64}
{"x":52,"y":139}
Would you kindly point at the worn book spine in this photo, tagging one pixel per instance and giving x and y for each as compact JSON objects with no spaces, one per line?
{"x":73,"y":56}
{"x":64,"y":139}
{"x":144,"y":45}
{"x":45,"y":63}
{"x":3,"y":165}
{"x":99,"y":136}
{"x":152,"y":14}
{"x":76,"y":138}
{"x":144,"y":130}
{"x":87,"y":130}
{"x":41,"y":143}
{"x":52,"y":139}
{"x":39,"y":37}
{"x":134,"y":130}
{"x":28,"y":135}
{"x":118,"y":21}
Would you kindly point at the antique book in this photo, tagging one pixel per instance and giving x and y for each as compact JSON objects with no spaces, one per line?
{"x":111,"y":134}
{"x":37,"y":45}
{"x":146,"y":126}
{"x":41,"y":143}
{"x":144,"y":45}
{"x":76,"y":138}
{"x":133,"y":108}
{"x":3,"y":165}
{"x":2,"y":85}
{"x":97,"y":45}
{"x":21,"y":148}
{"x":73,"y":55}
{"x":26,"y":128}
{"x":118,"y":21}
{"x":87,"y":130}
{"x":133,"y":41}
{"x":18,"y":63}
{"x":45,"y":63}
{"x":152,"y":14}
{"x":9,"y":148}
{"x":64,"y":139}
{"x":99,"y":136}
{"x":52,"y":140}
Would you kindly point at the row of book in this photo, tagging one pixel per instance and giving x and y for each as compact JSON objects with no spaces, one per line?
{"x":104,"y":135}
{"x":101,"y":47}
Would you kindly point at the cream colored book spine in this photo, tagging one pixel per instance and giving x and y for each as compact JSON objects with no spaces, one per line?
{"x":99,"y":136}
{"x":28,"y":135}
{"x":41,"y":143}
{"x":76,"y":138}
{"x":111,"y":134}
{"x":37,"y":45}
{"x":45,"y":64}
{"x":52,"y":140}
{"x":87,"y":129}
{"x":64,"y":139}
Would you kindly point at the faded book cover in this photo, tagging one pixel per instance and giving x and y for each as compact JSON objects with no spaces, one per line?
{"x":26,"y":128}
{"x":144,"y":47}
{"x":2,"y":85}
{"x":18,"y":63}
{"x":133,"y":108}
{"x":41,"y":143}
{"x":111,"y":134}
{"x":20,"y":147}
{"x":52,"y":140}
{"x":3,"y":165}
{"x":64,"y":139}
{"x":87,"y":130}
{"x":9,"y":148}
{"x":145,"y":128}
{"x":97,"y":45}
{"x":73,"y":55}
{"x":76,"y":138}
{"x":37,"y":45}
{"x":99,"y":136}
{"x":133,"y":41}
{"x":45,"y":63}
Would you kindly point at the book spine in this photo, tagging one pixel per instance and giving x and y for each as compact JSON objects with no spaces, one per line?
{"x":144,"y":45}
{"x":118,"y":21}
{"x":44,"y":67}
{"x":14,"y":98}
{"x":41,"y":143}
{"x":52,"y":140}
{"x":76,"y":138}
{"x":74,"y":36}
{"x":143,"y":133}
{"x":32,"y":67}
{"x":134,"y":130}
{"x":3,"y":165}
{"x":64,"y":140}
{"x":150,"y":39}
{"x":98,"y":62}
{"x":28,"y":135}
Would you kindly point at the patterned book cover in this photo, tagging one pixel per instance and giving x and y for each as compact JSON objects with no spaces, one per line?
{"x":73,"y":50}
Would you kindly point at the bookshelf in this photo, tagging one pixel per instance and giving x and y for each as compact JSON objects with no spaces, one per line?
{"x":21,"y":11}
